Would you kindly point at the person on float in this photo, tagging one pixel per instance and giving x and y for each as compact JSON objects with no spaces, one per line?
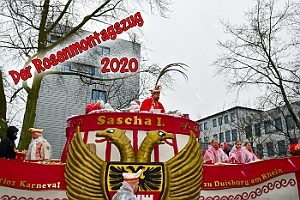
{"x":214,"y":154}
{"x":7,"y":145}
{"x":39,"y":148}
{"x":129,"y":188}
{"x":225,"y":148}
{"x":255,"y":157}
{"x":153,"y":101}
{"x":239,"y":154}
{"x":94,"y":106}
{"x":135,"y":105}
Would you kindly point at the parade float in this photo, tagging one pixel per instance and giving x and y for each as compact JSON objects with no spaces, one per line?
{"x":101,"y":146}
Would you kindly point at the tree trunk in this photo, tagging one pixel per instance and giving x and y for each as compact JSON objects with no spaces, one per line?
{"x":30,"y":112}
{"x":289,"y":107}
{"x":3,"y":123}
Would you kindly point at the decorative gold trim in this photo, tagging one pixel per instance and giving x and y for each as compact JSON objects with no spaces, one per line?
{"x":184,"y":172}
{"x":83,"y":172}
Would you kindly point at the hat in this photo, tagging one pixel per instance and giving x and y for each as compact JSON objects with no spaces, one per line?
{"x":35,"y":130}
{"x":11,"y":130}
{"x":131,"y":177}
{"x":157,"y":88}
{"x":97,"y":103}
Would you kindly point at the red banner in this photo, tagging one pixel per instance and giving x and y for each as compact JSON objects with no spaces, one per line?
{"x":32,"y":176}
{"x":244,"y":175}
{"x":133,"y":121}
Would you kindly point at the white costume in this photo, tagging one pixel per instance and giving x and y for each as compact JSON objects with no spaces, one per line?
{"x":134,"y":105}
{"x":39,"y":149}
{"x":240,"y":155}
{"x":215,"y":155}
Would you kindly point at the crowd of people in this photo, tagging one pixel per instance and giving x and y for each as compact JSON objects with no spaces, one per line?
{"x":38,"y":149}
{"x":150,"y":104}
{"x":216,"y":153}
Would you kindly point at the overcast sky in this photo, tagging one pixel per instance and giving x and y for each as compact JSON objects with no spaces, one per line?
{"x":189,"y":35}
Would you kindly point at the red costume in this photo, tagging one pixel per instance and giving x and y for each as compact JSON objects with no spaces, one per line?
{"x":91,"y":107}
{"x":254,"y":157}
{"x":150,"y":103}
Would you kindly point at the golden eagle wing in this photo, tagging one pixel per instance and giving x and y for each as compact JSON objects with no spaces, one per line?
{"x":85,"y":172}
{"x":183,"y":172}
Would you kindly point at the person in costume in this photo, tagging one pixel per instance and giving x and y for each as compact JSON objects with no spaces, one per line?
{"x":255,"y":157}
{"x":39,"y":148}
{"x":225,"y":148}
{"x":129,"y":188}
{"x":135,"y":105}
{"x":214,"y":154}
{"x":153,"y":101}
{"x":97,"y":105}
{"x":239,"y":154}
{"x":7,"y":145}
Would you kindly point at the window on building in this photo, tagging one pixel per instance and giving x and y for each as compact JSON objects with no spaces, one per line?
{"x":206,"y":139}
{"x":260,"y":150}
{"x":290,"y":124}
{"x":257,"y":129}
{"x":96,"y":71}
{"x":278,"y":124}
{"x":204,"y":144}
{"x":54,"y":38}
{"x":214,"y":123}
{"x":220,"y":121}
{"x":281,"y":148}
{"x":98,"y":95}
{"x":226,"y":121}
{"x":93,"y":70}
{"x":221,"y":139}
{"x":267,"y":125}
{"x":102,"y":51}
{"x":105,"y":51}
{"x":234,"y":135}
{"x":205,"y":126}
{"x":254,"y":149}
{"x":201,"y":127}
{"x":270,"y":149}
{"x":248,"y":130}
{"x":215,"y":136}
{"x":227,"y":136}
{"x":294,"y":140}
{"x":80,"y":68}
{"x":64,"y":67}
{"x":232,"y":117}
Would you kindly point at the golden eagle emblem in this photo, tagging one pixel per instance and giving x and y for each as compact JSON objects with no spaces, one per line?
{"x":89,"y":177}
